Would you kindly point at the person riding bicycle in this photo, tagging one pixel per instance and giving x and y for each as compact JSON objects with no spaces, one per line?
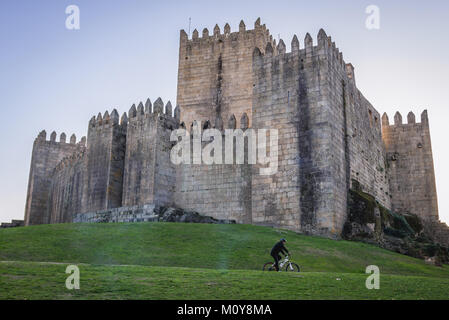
{"x":278,"y":248}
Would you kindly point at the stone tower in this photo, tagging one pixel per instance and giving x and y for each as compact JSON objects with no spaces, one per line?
{"x":410,"y":160}
{"x":45,"y":157}
{"x":295,"y":93}
{"x":149,"y":175}
{"x":215,"y":72}
{"x":106,"y":140}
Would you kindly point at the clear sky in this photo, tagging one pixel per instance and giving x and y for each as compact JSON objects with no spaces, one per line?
{"x":53,"y":78}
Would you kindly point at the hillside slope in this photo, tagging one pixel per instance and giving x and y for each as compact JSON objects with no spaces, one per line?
{"x":197,"y":246}
{"x":200,"y":261}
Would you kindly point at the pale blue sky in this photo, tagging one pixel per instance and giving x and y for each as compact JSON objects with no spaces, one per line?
{"x":55,"y":79}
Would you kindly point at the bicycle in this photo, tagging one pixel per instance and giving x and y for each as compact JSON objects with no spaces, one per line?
{"x":289,"y":265}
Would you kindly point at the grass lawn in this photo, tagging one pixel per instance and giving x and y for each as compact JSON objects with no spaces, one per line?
{"x":200,"y":261}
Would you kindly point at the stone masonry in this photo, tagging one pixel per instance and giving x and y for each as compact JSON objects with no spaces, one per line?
{"x":331,"y":141}
{"x":409,"y":155}
{"x":45,"y":157}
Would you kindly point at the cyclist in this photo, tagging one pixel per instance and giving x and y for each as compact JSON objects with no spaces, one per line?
{"x":278,"y":248}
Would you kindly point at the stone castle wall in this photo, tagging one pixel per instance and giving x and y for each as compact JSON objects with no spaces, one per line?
{"x":329,"y":135}
{"x":359,"y":122}
{"x":367,"y":152}
{"x":331,"y":140}
{"x":149,"y":175}
{"x":45,"y":157}
{"x":276,"y":198}
{"x":105,"y":155}
{"x":312,"y":99}
{"x":67,"y":187}
{"x":222,"y":191}
{"x":410,"y":161}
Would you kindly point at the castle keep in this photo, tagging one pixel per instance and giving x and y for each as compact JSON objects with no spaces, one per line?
{"x":331,"y":141}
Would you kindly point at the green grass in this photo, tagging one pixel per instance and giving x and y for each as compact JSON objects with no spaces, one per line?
{"x":200,"y":261}
{"x":32,"y":280}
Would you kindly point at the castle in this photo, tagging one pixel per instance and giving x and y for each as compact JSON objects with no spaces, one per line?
{"x":331,"y":139}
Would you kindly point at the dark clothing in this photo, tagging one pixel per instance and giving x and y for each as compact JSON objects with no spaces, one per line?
{"x":276,"y":258}
{"x":278,"y":248}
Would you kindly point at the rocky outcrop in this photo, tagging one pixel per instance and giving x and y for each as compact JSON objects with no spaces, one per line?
{"x":180,"y":215}
{"x":147,"y":213}
{"x":370,"y":222}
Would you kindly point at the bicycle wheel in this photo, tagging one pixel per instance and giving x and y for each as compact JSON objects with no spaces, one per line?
{"x":268,"y":266}
{"x":292,"y":267}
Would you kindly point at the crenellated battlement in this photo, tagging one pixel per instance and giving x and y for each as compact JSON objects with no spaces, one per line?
{"x":227,"y":36}
{"x":42,"y":138}
{"x":156,"y":109}
{"x":411,"y":120}
{"x":153,"y":114}
{"x":106,"y":120}
{"x":324,"y":46}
